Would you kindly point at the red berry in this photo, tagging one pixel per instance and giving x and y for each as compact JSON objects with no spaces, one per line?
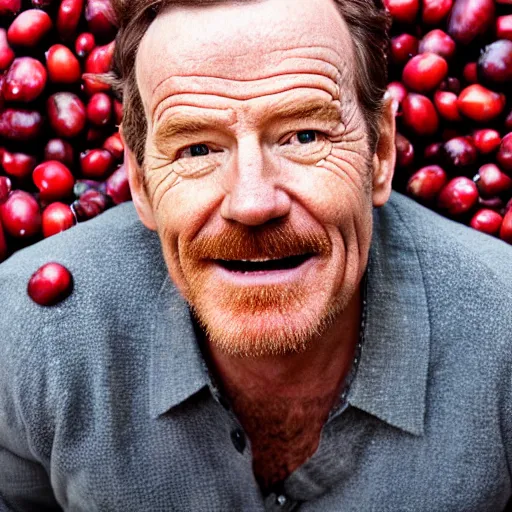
{"x":25,"y":80}
{"x":118,"y":187}
{"x":491,"y":181}
{"x":57,"y":217}
{"x":60,"y":150}
{"x":458,"y":196}
{"x":68,"y":18}
{"x":470,"y":19}
{"x":96,"y":164}
{"x":504,"y":156}
{"x":99,"y":61}
{"x":99,"y":109}
{"x":486,"y":140}
{"x":419,"y":114}
{"x":402,"y":48}
{"x":446,"y":104}
{"x":404,"y":151}
{"x":425,"y":184}
{"x":495,"y":64}
{"x":114,"y":145}
{"x":6,"y":52}
{"x":470,"y":73}
{"x":403,"y":10}
{"x":54,"y":180}
{"x":504,"y":27}
{"x":5,"y":188}
{"x":506,"y":227}
{"x":50,"y":284}
{"x":438,"y":42}
{"x":20,"y":215}
{"x":66,"y":114}
{"x":90,"y":204}
{"x":480,"y":104}
{"x":84,"y":44}
{"x":424,"y":72}
{"x":29,"y":28}
{"x":20,"y":125}
{"x":18,"y":165}
{"x":460,"y":154}
{"x":434,"y":11}
{"x":100,"y":18}
{"x":63,"y":66}
{"x":487,"y":221}
{"x":9,"y":7}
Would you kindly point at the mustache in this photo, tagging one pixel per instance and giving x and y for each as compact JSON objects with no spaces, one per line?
{"x":240,"y":242}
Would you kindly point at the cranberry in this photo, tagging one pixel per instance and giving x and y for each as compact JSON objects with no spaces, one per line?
{"x":18,"y":165}
{"x":100,"y":18}
{"x":434,"y":11}
{"x":20,"y":215}
{"x":486,"y":140}
{"x":432,"y":152}
{"x":491,"y":181}
{"x":470,"y":19}
{"x":54,"y":180}
{"x":451,"y":84}
{"x":404,"y":151}
{"x":5,"y":188}
{"x":82,"y":186}
{"x":424,"y":72}
{"x":403,"y":10}
{"x":495,"y":64}
{"x":458,"y":196}
{"x":6,"y":52}
{"x":118,"y":187}
{"x":398,"y":92}
{"x":504,"y":27}
{"x":480,"y":104}
{"x":491,"y":203}
{"x":25,"y":80}
{"x":446,"y":104}
{"x":90,"y":204}
{"x":60,"y":150}
{"x":99,"y":109}
{"x":66,"y":114}
{"x":114,"y":145}
{"x":402,"y":48}
{"x":96,"y":163}
{"x":84,"y":44}
{"x":29,"y":28}
{"x":9,"y":7}
{"x":419,"y":114}
{"x":504,"y":156}
{"x":50,"y":284}
{"x":19,"y":124}
{"x":425,"y":184}
{"x":68,"y":18}
{"x":487,"y":221}
{"x":57,"y":217}
{"x":470,"y":73}
{"x":63,"y":66}
{"x":438,"y":42}
{"x":460,"y":154}
{"x":99,"y":61}
{"x":506,"y":227}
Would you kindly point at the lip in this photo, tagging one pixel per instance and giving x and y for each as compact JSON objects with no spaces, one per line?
{"x":265,"y":277}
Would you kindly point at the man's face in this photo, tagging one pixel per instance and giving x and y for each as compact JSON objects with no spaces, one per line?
{"x":257,"y":168}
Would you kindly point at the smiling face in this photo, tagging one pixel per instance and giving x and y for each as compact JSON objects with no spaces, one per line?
{"x":258,"y":175}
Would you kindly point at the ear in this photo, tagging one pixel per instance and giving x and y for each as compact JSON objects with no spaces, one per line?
{"x":137,"y":188}
{"x":385,"y":156}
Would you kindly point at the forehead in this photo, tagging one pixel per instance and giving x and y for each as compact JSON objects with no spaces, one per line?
{"x":243,"y":42}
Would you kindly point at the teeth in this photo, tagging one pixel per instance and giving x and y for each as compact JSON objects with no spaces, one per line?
{"x":260,"y":260}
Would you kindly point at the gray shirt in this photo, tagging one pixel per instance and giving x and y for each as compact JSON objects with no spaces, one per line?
{"x":106,"y":405}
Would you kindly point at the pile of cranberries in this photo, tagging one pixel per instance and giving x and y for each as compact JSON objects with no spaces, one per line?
{"x":450,"y":77}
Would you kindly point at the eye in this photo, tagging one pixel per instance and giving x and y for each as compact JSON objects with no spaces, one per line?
{"x":194,"y":150}
{"x":304,"y":137}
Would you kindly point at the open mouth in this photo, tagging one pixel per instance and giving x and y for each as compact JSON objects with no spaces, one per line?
{"x":264,"y":265}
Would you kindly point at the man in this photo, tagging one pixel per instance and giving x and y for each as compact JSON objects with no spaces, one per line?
{"x":275,"y":334}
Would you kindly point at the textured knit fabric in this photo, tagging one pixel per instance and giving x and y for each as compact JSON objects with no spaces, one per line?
{"x":105,"y":403}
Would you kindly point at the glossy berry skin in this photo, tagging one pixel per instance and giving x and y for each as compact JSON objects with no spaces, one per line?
{"x":29,"y":28}
{"x":495,"y":65}
{"x":434,"y":11}
{"x":118,"y":187}
{"x":96,"y":164}
{"x":438,"y":42}
{"x":486,"y":140}
{"x":470,"y":19}
{"x":419,"y":114}
{"x":84,"y":44}
{"x":424,"y":185}
{"x":402,"y":48}
{"x":57,"y":217}
{"x":5,"y":188}
{"x":90,"y":204}
{"x":470,"y":73}
{"x":6,"y":52}
{"x":25,"y":80}
{"x":114,"y":145}
{"x":404,"y":11}
{"x":18,"y":165}
{"x":404,"y":151}
{"x":506,"y":227}
{"x":458,"y":196}
{"x":50,"y":284}
{"x":20,"y":124}
{"x":424,"y":72}
{"x":68,"y":18}
{"x":446,"y":105}
{"x":20,"y":214}
{"x":487,"y":221}
{"x":63,"y":66}
{"x":60,"y":150}
{"x":504,"y":156}
{"x":491,"y":181}
{"x":459,"y":154}
{"x":54,"y":180}
{"x":99,"y":61}
{"x":99,"y":109}
{"x":100,"y":18}
{"x":504,"y":27}
{"x":480,"y":104}
{"x":10,"y":7}
{"x":66,"y":114}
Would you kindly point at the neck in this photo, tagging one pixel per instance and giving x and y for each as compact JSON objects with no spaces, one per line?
{"x":317,"y":372}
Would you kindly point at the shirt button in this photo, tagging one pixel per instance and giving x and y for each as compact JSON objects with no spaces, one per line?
{"x":238,"y":439}
{"x":281,"y":500}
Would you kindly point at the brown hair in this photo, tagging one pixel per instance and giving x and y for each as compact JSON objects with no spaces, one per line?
{"x":367,"y":21}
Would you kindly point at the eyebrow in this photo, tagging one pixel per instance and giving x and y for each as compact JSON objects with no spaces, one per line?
{"x":181,"y":125}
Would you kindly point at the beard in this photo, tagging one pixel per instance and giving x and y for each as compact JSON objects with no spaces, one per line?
{"x":260,"y":320}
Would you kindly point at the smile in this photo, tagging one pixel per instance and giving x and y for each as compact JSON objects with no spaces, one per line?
{"x":264,"y":264}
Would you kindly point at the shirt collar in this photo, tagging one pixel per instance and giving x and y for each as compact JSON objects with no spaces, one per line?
{"x":391,"y":380}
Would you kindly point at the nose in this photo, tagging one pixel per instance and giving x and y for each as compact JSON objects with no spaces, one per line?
{"x":253,"y":192}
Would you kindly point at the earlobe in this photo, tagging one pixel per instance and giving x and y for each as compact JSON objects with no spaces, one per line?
{"x":384,"y":157}
{"x":139,"y":194}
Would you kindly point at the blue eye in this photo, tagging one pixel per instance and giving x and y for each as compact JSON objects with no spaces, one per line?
{"x":199,"y":150}
{"x":306,"y":137}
